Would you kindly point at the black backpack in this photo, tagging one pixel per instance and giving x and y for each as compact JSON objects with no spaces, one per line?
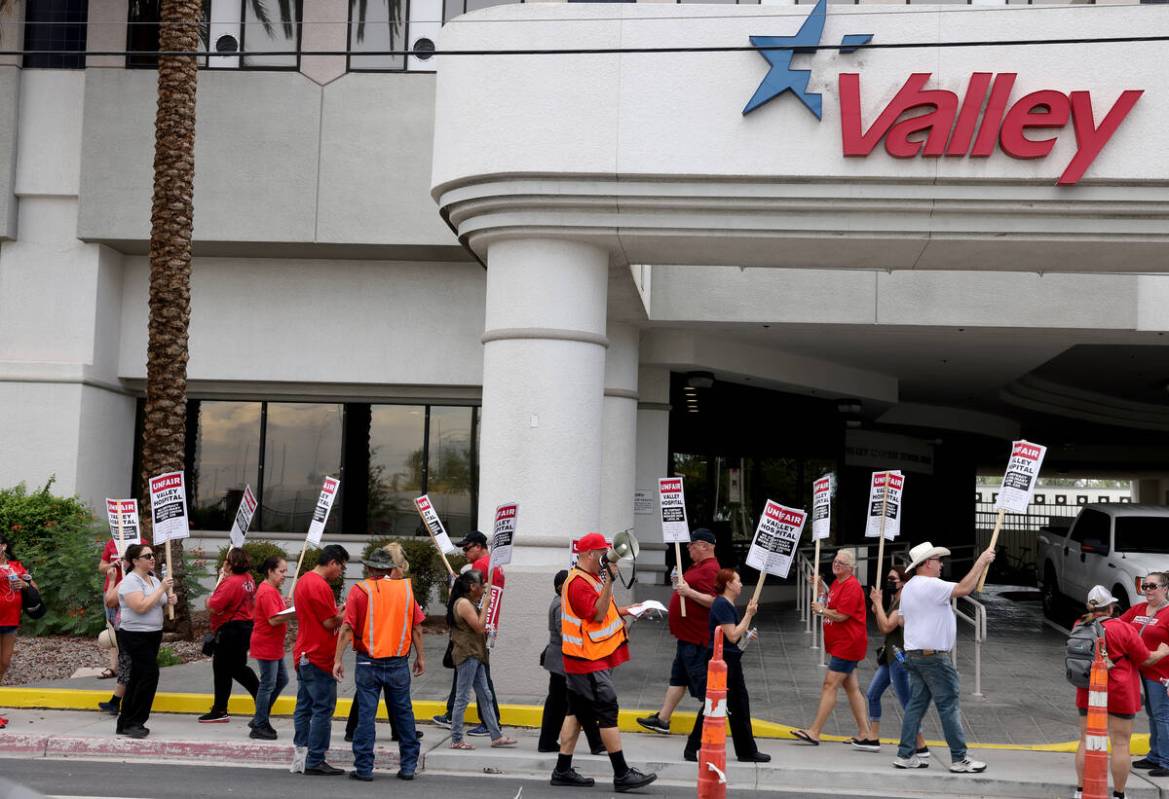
{"x":1080,"y":652}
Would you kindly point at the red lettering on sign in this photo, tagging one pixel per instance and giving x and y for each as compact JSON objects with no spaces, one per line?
{"x":1027,"y":451}
{"x":671,"y":485}
{"x":166,"y":481}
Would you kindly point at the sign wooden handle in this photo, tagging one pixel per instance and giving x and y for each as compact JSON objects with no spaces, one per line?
{"x":816,"y":574}
{"x":678,"y":566}
{"x":299,"y":561}
{"x":994,"y":539}
{"x":881,"y":536}
{"x":434,"y":538}
{"x":170,"y":609}
{"x":759,"y":587}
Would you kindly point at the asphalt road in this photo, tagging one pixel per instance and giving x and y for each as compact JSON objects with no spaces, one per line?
{"x":91,"y":779}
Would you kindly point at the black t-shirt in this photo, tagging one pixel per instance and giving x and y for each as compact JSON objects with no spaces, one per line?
{"x":722,"y":612}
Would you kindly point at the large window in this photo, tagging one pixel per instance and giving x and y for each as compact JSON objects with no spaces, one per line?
{"x":376,"y":26}
{"x":385,"y":456}
{"x":256,"y":34}
{"x":54,"y":34}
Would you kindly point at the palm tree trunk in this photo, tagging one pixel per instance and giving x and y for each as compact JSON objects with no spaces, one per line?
{"x":171,"y":218}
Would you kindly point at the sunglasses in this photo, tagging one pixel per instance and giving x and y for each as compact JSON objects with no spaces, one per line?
{"x":1151,"y":586}
{"x":147,"y":556}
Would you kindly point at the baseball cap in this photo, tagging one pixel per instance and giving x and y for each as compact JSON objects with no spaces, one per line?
{"x":590,"y":542}
{"x":473,"y":537}
{"x":702,"y":534}
{"x":1099,"y":597}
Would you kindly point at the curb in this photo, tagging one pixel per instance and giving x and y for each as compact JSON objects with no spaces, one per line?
{"x":513,"y":715}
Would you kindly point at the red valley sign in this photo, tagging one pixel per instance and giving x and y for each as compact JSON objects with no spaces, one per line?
{"x":946,"y":125}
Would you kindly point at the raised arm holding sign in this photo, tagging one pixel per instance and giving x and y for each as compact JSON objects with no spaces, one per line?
{"x":1018,"y":487}
{"x":776,"y":538}
{"x":316,"y":528}
{"x":675,"y":527}
{"x":438,"y":533}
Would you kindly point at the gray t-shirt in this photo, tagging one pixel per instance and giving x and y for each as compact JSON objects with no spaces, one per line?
{"x":151,"y":620}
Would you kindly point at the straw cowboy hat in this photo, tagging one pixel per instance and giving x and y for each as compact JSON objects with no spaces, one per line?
{"x":923,"y":552}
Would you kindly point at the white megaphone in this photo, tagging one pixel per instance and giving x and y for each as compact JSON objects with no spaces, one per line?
{"x":625,"y":547}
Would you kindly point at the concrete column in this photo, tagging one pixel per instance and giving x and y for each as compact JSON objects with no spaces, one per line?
{"x":540,"y":441}
{"x":653,"y":462}
{"x":619,"y":454}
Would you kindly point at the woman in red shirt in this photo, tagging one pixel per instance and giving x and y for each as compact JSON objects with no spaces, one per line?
{"x":267,"y":645}
{"x":846,"y":639}
{"x":232,"y":605}
{"x":1151,"y":621}
{"x":14,"y":579}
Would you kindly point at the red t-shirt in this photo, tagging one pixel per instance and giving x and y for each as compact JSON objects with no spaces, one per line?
{"x":314,"y":603}
{"x":355,"y":609}
{"x":1155,"y":633}
{"x":695,"y":627}
{"x":109,"y":555}
{"x":848,"y":639}
{"x":267,"y":639}
{"x":233,"y":600}
{"x":1127,"y":652}
{"x":582,"y":598}
{"x":10,"y":594}
{"x":481,"y":566}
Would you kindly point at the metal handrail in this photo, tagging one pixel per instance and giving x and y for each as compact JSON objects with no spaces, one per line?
{"x":805,"y":573}
{"x":978,"y":621}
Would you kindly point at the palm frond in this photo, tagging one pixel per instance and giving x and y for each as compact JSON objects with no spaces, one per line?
{"x":287,"y":17}
{"x":261,"y":13}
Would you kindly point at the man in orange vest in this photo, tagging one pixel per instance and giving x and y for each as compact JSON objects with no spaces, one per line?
{"x":382,"y":619}
{"x":594,"y":643}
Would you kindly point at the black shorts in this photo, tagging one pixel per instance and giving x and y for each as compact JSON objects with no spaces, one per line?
{"x":689,"y":669}
{"x":1084,"y":712}
{"x":593,"y":697}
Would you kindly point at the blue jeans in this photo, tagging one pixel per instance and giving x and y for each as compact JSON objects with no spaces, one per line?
{"x":273,"y":679}
{"x":933,"y":677}
{"x":372,"y":675}
{"x":316,"y":699}
{"x":887,"y":674}
{"x":1157,"y":706}
{"x":471,"y":673}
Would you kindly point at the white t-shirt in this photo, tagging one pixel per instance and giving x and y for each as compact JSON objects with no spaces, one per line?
{"x":929,"y":619}
{"x":151,"y":620}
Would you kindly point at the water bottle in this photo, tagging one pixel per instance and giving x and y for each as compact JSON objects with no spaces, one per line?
{"x":674,"y":576}
{"x":748,"y":637}
{"x":897,"y":653}
{"x":491,"y":633}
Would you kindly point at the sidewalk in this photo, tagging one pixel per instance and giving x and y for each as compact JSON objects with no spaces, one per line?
{"x":795,"y":768}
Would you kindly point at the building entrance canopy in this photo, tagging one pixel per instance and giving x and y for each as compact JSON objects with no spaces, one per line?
{"x":930,"y":157}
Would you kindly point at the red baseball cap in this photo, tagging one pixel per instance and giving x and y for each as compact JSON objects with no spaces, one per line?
{"x":590,"y":542}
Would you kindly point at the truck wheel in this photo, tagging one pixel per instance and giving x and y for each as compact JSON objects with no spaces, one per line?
{"x":1122,"y":595}
{"x":1050,"y":594}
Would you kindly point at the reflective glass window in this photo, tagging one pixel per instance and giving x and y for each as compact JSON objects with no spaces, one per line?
{"x":227,"y":457}
{"x":396,"y":434}
{"x":302,"y":446}
{"x":449,"y":467}
{"x":270,"y":28}
{"x":377,"y":26}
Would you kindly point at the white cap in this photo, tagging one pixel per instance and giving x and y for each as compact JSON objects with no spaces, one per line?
{"x":1099,"y":597}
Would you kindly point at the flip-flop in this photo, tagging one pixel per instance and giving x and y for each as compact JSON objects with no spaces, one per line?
{"x":501,"y":742}
{"x":461,"y":745}
{"x":107,"y":674}
{"x":803,"y":736}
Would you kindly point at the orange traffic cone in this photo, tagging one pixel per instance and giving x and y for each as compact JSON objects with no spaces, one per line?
{"x":1096,"y":732}
{"x":712,"y":756}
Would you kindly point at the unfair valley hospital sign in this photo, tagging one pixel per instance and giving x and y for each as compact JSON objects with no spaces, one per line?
{"x":931,"y":123}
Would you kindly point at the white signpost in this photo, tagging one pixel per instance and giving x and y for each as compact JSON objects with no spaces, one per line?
{"x":1018,"y":487}
{"x":316,"y":528}
{"x":675,"y":527}
{"x":168,"y":514}
{"x":884,"y":510}
{"x":437,"y":532}
{"x":776,"y":538}
{"x":123,"y":516}
{"x":243,"y":517}
{"x":821,"y":521}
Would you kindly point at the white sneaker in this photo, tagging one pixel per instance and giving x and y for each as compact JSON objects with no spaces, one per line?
{"x":967,"y":766}
{"x":299,"y":754}
{"x":924,"y":752}
{"x":909,"y":762}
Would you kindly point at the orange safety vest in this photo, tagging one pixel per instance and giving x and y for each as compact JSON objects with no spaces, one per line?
{"x":389,"y":617}
{"x":585,"y":638}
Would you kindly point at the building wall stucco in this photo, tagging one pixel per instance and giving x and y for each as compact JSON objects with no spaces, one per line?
{"x":9,"y":123}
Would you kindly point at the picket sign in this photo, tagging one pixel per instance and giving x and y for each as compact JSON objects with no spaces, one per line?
{"x":776,"y":539}
{"x":168,"y":513}
{"x":889,"y":483}
{"x":121,"y":511}
{"x":502,"y":538}
{"x":1019,"y":481}
{"x":675,"y":527}
{"x":821,"y":522}
{"x":316,"y":528}
{"x":243,"y":517}
{"x":438,"y":534}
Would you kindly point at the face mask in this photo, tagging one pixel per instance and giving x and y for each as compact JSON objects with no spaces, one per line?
{"x":892,"y":585}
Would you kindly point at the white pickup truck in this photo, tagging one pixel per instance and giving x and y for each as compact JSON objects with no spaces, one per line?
{"x":1112,"y":545}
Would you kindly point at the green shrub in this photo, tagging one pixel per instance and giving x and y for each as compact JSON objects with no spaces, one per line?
{"x":59,"y":541}
{"x":258,"y":551}
{"x":167,"y":657}
{"x":426,"y":569}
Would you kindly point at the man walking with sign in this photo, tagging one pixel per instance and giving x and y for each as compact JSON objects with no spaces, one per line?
{"x":594,"y":643}
{"x":930,"y":630}
{"x":688,"y":672}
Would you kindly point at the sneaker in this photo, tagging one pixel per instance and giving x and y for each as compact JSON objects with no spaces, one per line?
{"x":866,"y":744}
{"x":215,"y":717}
{"x":442,"y":720}
{"x":405,"y":775}
{"x":135,"y":732}
{"x":1144,"y":763}
{"x":263,"y":734}
{"x":923,"y":753}
{"x":348,"y":737}
{"x":1078,"y":793}
{"x":323,"y":769}
{"x":909,"y":762}
{"x":3,"y":722}
{"x":632,"y":780}
{"x":654,"y":724}
{"x":967,"y":766}
{"x":571,"y":777}
{"x":478,"y":731}
{"x":1160,"y":771}
{"x":299,"y":753}
{"x":110,"y":708}
{"x":353,"y":775}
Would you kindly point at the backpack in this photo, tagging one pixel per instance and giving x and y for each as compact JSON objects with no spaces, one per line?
{"x":1080,"y":652}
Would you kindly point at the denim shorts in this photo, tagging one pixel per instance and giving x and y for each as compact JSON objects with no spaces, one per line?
{"x":841,"y":665}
